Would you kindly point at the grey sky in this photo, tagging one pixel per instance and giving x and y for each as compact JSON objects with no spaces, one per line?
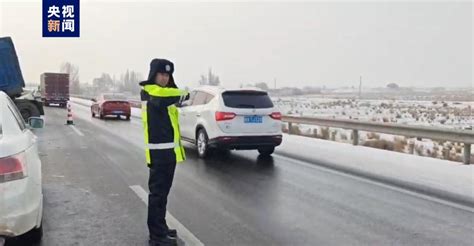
{"x":299,"y":44}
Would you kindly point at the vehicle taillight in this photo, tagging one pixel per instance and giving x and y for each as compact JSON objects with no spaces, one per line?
{"x":12,"y":168}
{"x":276,"y":115}
{"x":220,"y":116}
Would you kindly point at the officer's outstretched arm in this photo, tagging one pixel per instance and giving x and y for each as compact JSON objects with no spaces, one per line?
{"x":165,"y":96}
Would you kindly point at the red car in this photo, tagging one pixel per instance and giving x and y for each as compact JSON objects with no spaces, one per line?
{"x":111,"y":104}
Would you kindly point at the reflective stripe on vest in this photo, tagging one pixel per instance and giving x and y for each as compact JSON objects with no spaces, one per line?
{"x":162,"y":145}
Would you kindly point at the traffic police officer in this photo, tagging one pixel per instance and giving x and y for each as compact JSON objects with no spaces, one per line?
{"x":163,"y":146}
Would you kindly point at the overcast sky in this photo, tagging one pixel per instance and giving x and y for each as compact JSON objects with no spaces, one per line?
{"x":300,"y":44}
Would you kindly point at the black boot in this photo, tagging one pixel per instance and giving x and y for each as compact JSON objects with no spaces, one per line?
{"x":172,"y":233}
{"x":163,"y":241}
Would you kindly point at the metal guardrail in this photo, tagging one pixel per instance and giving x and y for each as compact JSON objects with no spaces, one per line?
{"x":435,"y":133}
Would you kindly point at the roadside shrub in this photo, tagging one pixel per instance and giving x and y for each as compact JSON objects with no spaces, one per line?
{"x":419,"y":150}
{"x":295,"y":129}
{"x":380,"y":144}
{"x":372,"y":135}
{"x":400,"y":144}
{"x":325,"y":133}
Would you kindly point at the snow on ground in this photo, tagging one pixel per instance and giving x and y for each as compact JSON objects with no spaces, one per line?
{"x":443,"y":175}
{"x":447,"y":114}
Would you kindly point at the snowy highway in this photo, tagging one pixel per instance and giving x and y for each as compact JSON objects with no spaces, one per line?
{"x":95,"y":184}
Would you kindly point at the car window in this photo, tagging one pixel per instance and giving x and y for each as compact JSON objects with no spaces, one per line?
{"x":247,"y":99}
{"x":200,"y":98}
{"x":16,"y":114}
{"x":209,"y":97}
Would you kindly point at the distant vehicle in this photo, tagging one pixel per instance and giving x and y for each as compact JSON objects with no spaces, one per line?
{"x":242,"y":119}
{"x":21,"y":196}
{"x":111,"y":104}
{"x":54,"y":88}
{"x":12,"y":83}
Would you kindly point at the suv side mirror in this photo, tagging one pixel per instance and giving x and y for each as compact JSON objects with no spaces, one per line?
{"x":93,"y":99}
{"x":36,"y":122}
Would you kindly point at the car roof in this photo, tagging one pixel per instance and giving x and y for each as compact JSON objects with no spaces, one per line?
{"x":220,"y":89}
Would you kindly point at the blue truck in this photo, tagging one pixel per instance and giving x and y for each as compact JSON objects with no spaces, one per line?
{"x":12,"y":83}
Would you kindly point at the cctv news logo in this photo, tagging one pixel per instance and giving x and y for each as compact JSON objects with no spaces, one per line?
{"x":60,"y":18}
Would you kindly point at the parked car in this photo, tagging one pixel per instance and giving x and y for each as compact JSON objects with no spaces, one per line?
{"x":111,"y":104}
{"x":21,"y":196}
{"x":241,"y":119}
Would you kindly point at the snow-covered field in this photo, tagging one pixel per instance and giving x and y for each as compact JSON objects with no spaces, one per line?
{"x":449,"y":114}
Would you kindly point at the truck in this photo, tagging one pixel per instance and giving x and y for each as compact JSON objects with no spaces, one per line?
{"x":54,"y":88}
{"x":12,"y":83}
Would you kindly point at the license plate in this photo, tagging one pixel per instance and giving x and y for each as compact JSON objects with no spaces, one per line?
{"x":253,"y":119}
{"x":117,"y":112}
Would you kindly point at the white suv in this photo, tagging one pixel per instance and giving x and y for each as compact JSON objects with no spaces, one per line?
{"x":242,"y":119}
{"x":21,"y":196}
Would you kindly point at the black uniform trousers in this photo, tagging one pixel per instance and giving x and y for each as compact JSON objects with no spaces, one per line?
{"x":159,"y":184}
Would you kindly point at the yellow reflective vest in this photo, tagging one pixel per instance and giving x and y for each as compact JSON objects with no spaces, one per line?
{"x":161,"y":124}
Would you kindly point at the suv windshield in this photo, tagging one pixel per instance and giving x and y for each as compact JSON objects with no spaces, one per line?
{"x":247,"y":99}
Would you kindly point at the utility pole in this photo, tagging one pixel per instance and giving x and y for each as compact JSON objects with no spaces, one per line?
{"x":275,"y":83}
{"x":360,"y":87}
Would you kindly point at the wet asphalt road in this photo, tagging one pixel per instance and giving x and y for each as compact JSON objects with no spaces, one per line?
{"x":234,"y":199}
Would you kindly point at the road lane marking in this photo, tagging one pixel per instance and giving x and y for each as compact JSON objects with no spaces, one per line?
{"x":77,"y":131}
{"x":183,"y":232}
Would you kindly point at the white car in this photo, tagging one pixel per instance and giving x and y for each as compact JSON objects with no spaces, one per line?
{"x":242,"y":119}
{"x":21,"y":196}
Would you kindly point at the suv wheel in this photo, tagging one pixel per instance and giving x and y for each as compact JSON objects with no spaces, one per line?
{"x":201,"y":143}
{"x":34,"y":236}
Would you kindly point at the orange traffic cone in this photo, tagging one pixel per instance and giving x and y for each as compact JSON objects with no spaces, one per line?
{"x":69,"y":114}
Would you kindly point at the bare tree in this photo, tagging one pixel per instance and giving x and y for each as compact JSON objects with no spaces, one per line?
{"x":262,"y":85}
{"x":211,"y":79}
{"x":129,"y":82}
{"x":73,"y":72}
{"x":103,"y":84}
{"x":393,"y":86}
